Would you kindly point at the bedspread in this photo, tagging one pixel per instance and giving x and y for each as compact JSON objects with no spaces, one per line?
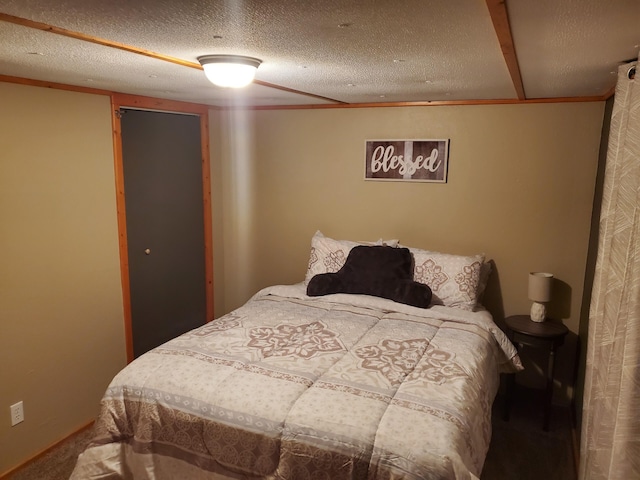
{"x":293,"y":387}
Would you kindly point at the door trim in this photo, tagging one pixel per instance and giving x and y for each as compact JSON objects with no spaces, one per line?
{"x":119,"y":101}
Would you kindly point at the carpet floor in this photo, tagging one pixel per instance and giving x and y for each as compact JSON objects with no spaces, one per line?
{"x":519,"y":448}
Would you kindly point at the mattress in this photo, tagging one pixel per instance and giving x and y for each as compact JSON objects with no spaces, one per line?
{"x":296,"y":387}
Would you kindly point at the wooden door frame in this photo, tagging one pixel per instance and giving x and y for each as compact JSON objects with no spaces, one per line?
{"x":119,"y":101}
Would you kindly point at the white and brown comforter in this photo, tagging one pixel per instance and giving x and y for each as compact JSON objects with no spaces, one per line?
{"x":293,"y":387}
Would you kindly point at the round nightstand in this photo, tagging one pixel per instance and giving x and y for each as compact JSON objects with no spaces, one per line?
{"x":548,"y":335}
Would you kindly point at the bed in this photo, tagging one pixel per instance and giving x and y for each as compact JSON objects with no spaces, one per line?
{"x":328,"y":386}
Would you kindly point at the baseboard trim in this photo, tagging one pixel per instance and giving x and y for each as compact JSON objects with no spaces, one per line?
{"x":42,"y":453}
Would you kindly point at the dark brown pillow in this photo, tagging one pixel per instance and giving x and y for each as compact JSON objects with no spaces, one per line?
{"x":380,"y":271}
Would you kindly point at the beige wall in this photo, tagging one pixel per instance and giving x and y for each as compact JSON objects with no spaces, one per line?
{"x":219,"y":188}
{"x":521,"y":182}
{"x":61,"y":321}
{"x":520,"y":189}
{"x":235,"y":191}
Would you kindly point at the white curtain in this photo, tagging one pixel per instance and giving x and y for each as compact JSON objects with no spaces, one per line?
{"x":610,"y":440}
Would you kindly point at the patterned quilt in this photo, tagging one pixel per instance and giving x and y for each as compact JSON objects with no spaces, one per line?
{"x":293,"y":387}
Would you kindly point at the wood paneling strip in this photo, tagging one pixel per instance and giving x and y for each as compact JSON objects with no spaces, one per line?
{"x":208,"y":220}
{"x":500,"y":19}
{"x":435,"y":103}
{"x":97,"y":40}
{"x":122,"y":227}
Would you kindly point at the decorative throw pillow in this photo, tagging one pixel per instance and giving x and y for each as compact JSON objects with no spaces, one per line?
{"x":328,"y":255}
{"x":454,"y":279}
{"x":380,"y":271}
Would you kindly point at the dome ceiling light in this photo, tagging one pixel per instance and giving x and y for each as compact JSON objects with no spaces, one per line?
{"x":233,"y":71}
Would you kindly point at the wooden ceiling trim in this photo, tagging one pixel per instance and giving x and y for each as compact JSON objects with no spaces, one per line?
{"x":158,"y":103}
{"x":433,"y":103}
{"x":57,"y":86}
{"x":500,"y":19}
{"x":298,"y":92}
{"x":99,"y":41}
{"x":610,"y":93}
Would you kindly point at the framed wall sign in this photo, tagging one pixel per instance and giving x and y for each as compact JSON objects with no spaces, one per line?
{"x":407,"y":160}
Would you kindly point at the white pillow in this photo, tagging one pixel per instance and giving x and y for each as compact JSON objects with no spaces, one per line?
{"x":329,"y":255}
{"x":454,"y":279}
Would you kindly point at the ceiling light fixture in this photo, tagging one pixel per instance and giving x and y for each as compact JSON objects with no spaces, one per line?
{"x":232,"y":71}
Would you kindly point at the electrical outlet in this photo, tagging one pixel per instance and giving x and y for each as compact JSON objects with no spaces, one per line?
{"x":17,"y":413}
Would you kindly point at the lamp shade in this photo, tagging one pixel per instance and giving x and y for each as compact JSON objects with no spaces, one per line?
{"x":540,"y":286}
{"x":232,"y":71}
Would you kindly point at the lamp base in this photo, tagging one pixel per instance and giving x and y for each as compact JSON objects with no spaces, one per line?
{"x":538,"y":312}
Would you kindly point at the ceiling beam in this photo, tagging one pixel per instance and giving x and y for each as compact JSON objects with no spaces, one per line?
{"x":99,"y":41}
{"x":500,"y":19}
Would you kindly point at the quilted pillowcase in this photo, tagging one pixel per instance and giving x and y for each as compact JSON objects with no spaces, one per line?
{"x":329,"y":255}
{"x":455,"y":280}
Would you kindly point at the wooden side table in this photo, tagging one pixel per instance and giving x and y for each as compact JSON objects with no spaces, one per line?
{"x":548,"y":335}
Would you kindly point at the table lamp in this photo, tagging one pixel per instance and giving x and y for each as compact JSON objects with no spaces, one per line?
{"x":539,"y":294}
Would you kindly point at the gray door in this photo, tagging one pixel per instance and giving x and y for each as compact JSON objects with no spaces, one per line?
{"x":162,"y":169}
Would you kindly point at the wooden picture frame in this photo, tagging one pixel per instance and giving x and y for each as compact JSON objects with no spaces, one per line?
{"x":407,"y":160}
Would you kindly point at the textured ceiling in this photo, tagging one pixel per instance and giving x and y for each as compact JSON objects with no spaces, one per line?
{"x":326,"y":51}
